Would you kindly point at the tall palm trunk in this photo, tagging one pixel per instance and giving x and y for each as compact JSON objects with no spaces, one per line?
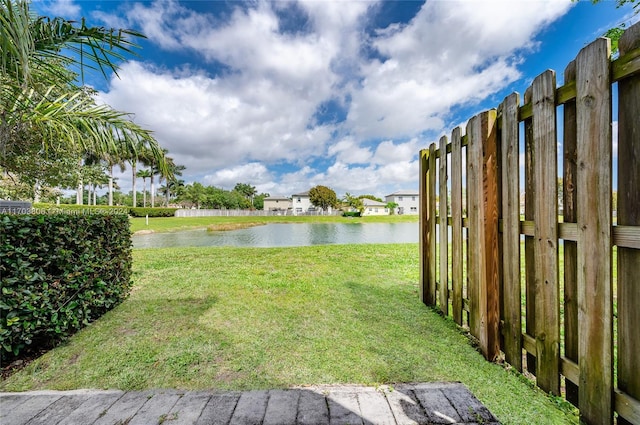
{"x":144,"y":192}
{"x":133,"y":182}
{"x":152,"y":190}
{"x":110,"y":184}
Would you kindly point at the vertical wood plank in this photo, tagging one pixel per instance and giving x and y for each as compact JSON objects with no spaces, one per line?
{"x":490,"y":282}
{"x":546,"y":233}
{"x":511,"y":287}
{"x":483,"y":232}
{"x":424,"y":226}
{"x":595,"y":305}
{"x":529,"y":210}
{"x":570,"y":247}
{"x":431,"y":183}
{"x":474,"y":190}
{"x":629,"y":215}
{"x":444,"y":230}
{"x":456,"y":221}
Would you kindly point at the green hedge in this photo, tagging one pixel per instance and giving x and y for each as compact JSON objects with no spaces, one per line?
{"x":351,"y":214}
{"x":59,"y":273}
{"x":153,"y":212}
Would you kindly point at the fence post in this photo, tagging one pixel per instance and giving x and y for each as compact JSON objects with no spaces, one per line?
{"x":511,"y":288}
{"x":629,"y":215}
{"x":444,"y":230}
{"x":545,"y":246}
{"x":595,"y":301}
{"x":483,"y":235}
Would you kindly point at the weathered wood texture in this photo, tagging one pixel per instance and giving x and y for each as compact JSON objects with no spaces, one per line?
{"x":483,"y":236}
{"x":404,"y":404}
{"x":423,"y":241}
{"x":511,"y":287}
{"x":569,"y":193}
{"x":595,"y":297}
{"x":443,"y":294}
{"x":629,"y":215}
{"x":545,"y":245}
{"x":456,"y":221}
{"x":529,"y":210}
{"x":493,"y":281}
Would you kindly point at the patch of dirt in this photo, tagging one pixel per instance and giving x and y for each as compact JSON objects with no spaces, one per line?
{"x":231,"y":226}
{"x":144,"y":232}
{"x":19,"y":363}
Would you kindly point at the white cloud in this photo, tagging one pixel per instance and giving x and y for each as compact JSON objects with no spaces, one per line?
{"x":233,"y":125}
{"x":451,"y":53}
{"x":67,"y":9}
{"x":251,"y":173}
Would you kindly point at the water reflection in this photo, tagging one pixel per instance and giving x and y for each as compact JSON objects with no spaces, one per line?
{"x":289,"y":234}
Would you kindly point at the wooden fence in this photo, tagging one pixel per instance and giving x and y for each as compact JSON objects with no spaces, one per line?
{"x":571,"y":316}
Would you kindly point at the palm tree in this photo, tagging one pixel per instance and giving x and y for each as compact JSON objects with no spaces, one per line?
{"x":39,"y":99}
{"x":144,"y":174}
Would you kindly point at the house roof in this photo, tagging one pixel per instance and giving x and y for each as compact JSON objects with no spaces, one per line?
{"x":405,"y":193}
{"x":301,"y":194}
{"x":371,"y":203}
{"x":277,"y":198}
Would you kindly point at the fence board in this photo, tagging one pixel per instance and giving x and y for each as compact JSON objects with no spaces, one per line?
{"x":629,"y":215}
{"x":529,"y":209}
{"x":512,"y":329}
{"x":545,"y":175}
{"x":444,"y":230}
{"x":483,"y":236}
{"x":431,"y":183}
{"x":595,"y":306}
{"x":456,"y":222}
{"x":569,"y":191}
{"x":474,"y":190}
{"x":425,"y":214}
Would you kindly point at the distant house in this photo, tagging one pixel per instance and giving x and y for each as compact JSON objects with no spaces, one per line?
{"x":300,"y":203}
{"x":277,"y":203}
{"x":372,"y":207}
{"x":407,"y":200}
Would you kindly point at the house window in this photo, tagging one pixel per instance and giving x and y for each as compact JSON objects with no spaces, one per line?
{"x":299,"y":210}
{"x":414,"y":209}
{"x":413,"y":198}
{"x":376,"y":210}
{"x":298,"y":200}
{"x":399,"y":198}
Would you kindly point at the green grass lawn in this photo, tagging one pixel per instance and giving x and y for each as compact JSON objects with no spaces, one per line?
{"x":171,"y":224}
{"x":239,"y":319}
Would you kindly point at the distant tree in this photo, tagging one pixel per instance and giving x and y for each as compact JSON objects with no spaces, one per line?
{"x":258,"y":201}
{"x":246,"y":190}
{"x":353,"y":202}
{"x":392,"y":207}
{"x":323,"y":197}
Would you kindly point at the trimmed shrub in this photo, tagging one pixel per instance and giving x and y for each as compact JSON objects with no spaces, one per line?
{"x":351,"y":214}
{"x":59,"y":273}
{"x":153,"y":212}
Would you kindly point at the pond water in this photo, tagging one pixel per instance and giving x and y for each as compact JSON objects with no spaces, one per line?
{"x":289,"y":234}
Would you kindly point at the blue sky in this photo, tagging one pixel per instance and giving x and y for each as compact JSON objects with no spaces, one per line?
{"x":287,"y":95}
